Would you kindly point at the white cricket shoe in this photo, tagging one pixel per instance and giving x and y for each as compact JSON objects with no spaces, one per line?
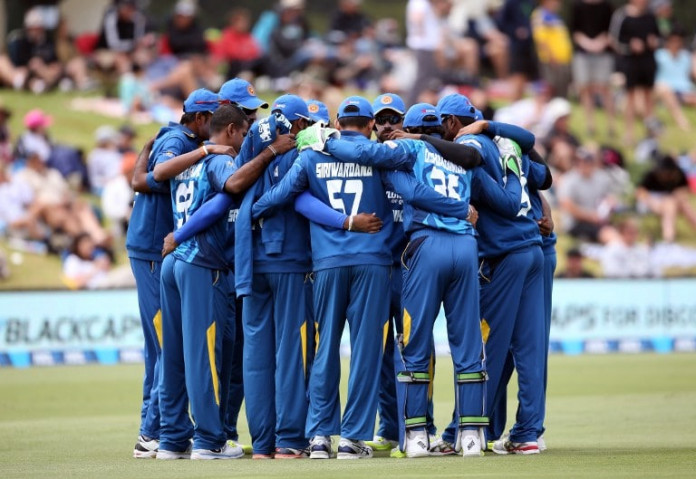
{"x":505,"y":446}
{"x":145,"y":448}
{"x":440,"y":447}
{"x":541,"y":443}
{"x":348,"y":449}
{"x":470,"y":443}
{"x":416,"y":444}
{"x":320,"y":447}
{"x":225,"y":452}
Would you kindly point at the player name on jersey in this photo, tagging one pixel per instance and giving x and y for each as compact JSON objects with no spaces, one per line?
{"x":437,"y":160}
{"x":342,"y":170}
{"x":191,"y":172}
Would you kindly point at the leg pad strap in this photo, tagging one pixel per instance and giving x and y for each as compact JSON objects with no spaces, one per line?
{"x":413,"y":377}
{"x":478,"y":377}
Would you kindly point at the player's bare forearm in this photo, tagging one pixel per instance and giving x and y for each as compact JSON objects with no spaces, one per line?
{"x":170,"y":168}
{"x":139,"y":181}
{"x":546,"y":225}
{"x":249,"y":172}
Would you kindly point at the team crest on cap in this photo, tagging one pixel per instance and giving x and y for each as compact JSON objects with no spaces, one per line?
{"x":313,"y":108}
{"x":386,"y":100}
{"x":251,"y":91}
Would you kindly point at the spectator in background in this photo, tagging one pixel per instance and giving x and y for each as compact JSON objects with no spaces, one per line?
{"x":558,"y":141}
{"x":424,"y":36}
{"x":586,"y":199}
{"x":471,"y":19}
{"x":5,"y":139}
{"x":35,"y":138}
{"x":287,"y":39}
{"x":625,"y":257}
{"x":33,"y":54}
{"x":553,"y":46}
{"x":574,"y":266}
{"x":117,"y":198}
{"x":673,"y":83}
{"x":104,"y":161}
{"x":89,"y":267}
{"x":593,"y":60}
{"x":349,"y":19}
{"x":184,"y":36}
{"x":635,"y":37}
{"x":514,"y":21}
{"x":134,"y":91}
{"x":17,"y":217}
{"x":664,"y":13}
{"x":664,"y":190}
{"x":123,"y":27}
{"x":126,"y":139}
{"x":238,"y":47}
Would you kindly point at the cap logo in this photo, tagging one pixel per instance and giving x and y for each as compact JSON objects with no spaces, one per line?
{"x":313,"y":108}
{"x":251,"y":91}
{"x":387,"y":100}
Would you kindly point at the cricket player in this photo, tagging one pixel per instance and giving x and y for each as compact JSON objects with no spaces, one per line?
{"x":196,"y":282}
{"x":150,"y":221}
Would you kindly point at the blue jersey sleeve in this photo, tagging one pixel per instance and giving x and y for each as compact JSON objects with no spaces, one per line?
{"x":390,"y":155}
{"x":518,"y":134}
{"x":537,"y":176}
{"x":204,"y":217}
{"x":295,"y":182}
{"x":505,"y":201}
{"x":318,"y":212}
{"x":219,"y":170}
{"x":425,"y":198}
{"x":161,"y":187}
{"x":171,"y":147}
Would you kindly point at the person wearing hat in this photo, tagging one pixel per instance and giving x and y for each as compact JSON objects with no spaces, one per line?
{"x":184,"y":36}
{"x":318,"y":113}
{"x":152,"y":218}
{"x":35,"y":138}
{"x":343,"y":263}
{"x":512,"y":263}
{"x":104,"y":161}
{"x":389,"y":115}
{"x":242,"y":93}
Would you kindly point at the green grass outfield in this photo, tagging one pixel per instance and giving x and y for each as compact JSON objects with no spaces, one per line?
{"x":608,"y":416}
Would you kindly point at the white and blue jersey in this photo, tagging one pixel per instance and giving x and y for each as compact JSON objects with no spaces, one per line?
{"x":151,"y":219}
{"x":213,"y":248}
{"x":444,"y":177}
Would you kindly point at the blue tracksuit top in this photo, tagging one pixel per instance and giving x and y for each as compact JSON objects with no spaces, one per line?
{"x":350,"y":188}
{"x":499,"y":234}
{"x":537,"y":173}
{"x":280,"y":243}
{"x":151,"y":219}
{"x":213,"y":248}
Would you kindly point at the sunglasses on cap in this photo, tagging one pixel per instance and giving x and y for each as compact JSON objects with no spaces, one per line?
{"x":391,"y":119}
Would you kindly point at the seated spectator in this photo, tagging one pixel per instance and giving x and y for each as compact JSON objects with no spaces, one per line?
{"x":58,"y":206}
{"x":184,"y":36}
{"x":586,"y":199}
{"x":134,"y":91}
{"x":126,"y":139}
{"x":238,"y":47}
{"x":75,"y":72}
{"x":556,"y":138}
{"x":17,"y":217}
{"x":117,"y":198}
{"x":673,"y":83}
{"x":553,"y":45}
{"x":287,"y":38}
{"x":123,"y":27}
{"x":5,"y":139}
{"x":35,"y":138}
{"x":472,"y":19}
{"x":625,"y":257}
{"x":33,"y":55}
{"x":574,"y":267}
{"x":349,"y":19}
{"x":104,"y":161}
{"x":664,"y":190}
{"x":88,"y":267}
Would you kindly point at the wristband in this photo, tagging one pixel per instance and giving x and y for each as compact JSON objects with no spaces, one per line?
{"x":350,"y":223}
{"x":273,"y":150}
{"x":205,"y":150}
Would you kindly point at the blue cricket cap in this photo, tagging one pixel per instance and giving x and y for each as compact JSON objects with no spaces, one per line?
{"x":389,"y":101}
{"x":457,"y":105}
{"x":202,"y":100}
{"x":318,"y":112}
{"x":355,"y":106}
{"x":242,"y":93}
{"x":291,"y":106}
{"x":422,"y":114}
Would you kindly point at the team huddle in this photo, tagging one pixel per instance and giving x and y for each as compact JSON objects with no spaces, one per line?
{"x":253,"y":242}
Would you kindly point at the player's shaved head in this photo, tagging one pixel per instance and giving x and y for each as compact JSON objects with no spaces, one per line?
{"x":226,"y":115}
